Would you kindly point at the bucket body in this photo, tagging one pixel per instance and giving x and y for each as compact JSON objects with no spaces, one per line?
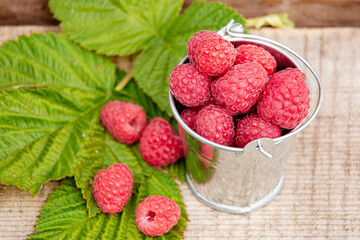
{"x":240,"y":180}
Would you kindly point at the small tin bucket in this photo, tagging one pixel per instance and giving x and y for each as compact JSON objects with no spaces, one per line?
{"x":240,"y":180}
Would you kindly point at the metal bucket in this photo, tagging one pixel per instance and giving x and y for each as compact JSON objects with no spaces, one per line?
{"x":240,"y":180}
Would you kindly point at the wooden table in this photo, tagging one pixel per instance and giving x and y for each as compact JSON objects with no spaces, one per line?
{"x":320,"y":198}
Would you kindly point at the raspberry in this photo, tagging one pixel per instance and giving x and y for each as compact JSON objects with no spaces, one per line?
{"x":253,"y":127}
{"x":218,"y":98}
{"x":239,"y":89}
{"x":252,"y":53}
{"x":112,"y":188}
{"x":189,"y":86}
{"x":189,"y":116}
{"x":183,"y":138}
{"x":215,"y":56}
{"x":286,"y":98}
{"x":215,"y":124}
{"x":195,"y":41}
{"x":124,"y":120}
{"x":160,"y":144}
{"x":156,"y":215}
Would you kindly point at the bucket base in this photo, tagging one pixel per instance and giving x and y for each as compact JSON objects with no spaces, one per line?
{"x":235,"y":209}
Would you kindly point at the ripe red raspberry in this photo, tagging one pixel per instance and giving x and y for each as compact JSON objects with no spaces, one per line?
{"x":195,"y":41}
{"x":189,"y":116}
{"x":239,"y":89}
{"x":156,"y":215}
{"x":160,"y":144}
{"x":251,"y":53}
{"x":124,"y":120}
{"x":253,"y":127}
{"x":215,"y":124}
{"x":112,"y":188}
{"x":218,"y":99}
{"x":189,"y":86}
{"x":215,"y":56}
{"x":286,"y":99}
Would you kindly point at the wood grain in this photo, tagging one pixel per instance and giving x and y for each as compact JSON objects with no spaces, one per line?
{"x":320,"y":198}
{"x":26,"y":12}
{"x":305,"y":13}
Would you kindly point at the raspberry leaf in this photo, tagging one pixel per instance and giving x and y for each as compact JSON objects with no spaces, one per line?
{"x":177,"y":169}
{"x":64,"y":216}
{"x":115,"y":27}
{"x":155,"y":28}
{"x":49,"y":105}
{"x":100,"y":155}
{"x":153,"y":66}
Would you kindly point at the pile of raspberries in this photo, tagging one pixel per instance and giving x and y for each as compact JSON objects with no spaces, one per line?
{"x":224,"y":86}
{"x":159,"y":145}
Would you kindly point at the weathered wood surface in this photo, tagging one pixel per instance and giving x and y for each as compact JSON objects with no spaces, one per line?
{"x":320,"y":198}
{"x":305,"y":13}
{"x":26,"y":12}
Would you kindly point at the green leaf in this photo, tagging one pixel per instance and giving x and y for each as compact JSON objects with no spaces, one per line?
{"x":100,"y":155}
{"x":177,"y":169}
{"x":115,"y":27}
{"x":50,"y":102}
{"x":51,"y":95}
{"x":64,"y":215}
{"x":153,"y":66}
{"x":154,"y":27}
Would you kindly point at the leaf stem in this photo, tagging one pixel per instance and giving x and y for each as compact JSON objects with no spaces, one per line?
{"x":123,"y":82}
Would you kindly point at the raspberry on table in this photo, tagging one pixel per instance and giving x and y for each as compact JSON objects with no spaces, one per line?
{"x":195,"y":41}
{"x":156,"y":215}
{"x":251,"y":53}
{"x":286,"y":98}
{"x":189,"y":86}
{"x":215,"y":124}
{"x":215,"y":56}
{"x":239,"y":89}
{"x":160,"y":145}
{"x":112,"y":188}
{"x":253,"y":127}
{"x":124,"y":120}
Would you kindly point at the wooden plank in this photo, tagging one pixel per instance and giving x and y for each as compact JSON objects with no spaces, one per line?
{"x":320,"y":198}
{"x":305,"y":13}
{"x":26,"y":12}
